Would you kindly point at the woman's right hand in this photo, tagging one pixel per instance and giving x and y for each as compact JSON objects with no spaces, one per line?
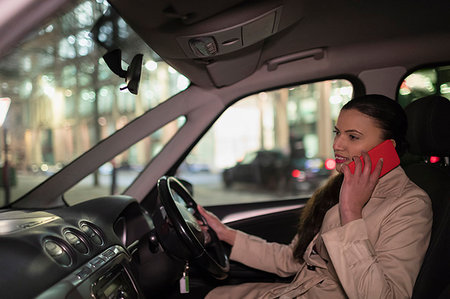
{"x":224,"y":233}
{"x":357,"y":187}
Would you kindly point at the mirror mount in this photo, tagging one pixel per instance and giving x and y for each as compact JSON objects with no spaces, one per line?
{"x":132,"y":75}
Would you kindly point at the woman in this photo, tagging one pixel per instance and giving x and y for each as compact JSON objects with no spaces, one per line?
{"x":360,"y":236}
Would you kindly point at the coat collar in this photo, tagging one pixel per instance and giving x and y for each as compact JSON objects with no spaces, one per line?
{"x":391,"y":184}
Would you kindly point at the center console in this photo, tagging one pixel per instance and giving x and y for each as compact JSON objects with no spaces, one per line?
{"x":108,"y":275}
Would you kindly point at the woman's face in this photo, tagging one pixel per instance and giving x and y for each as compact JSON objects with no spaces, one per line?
{"x":355,"y":132}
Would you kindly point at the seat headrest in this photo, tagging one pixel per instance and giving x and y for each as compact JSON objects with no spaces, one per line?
{"x":429,"y":126}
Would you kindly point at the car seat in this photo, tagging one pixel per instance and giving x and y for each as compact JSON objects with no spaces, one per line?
{"x":429,"y":136}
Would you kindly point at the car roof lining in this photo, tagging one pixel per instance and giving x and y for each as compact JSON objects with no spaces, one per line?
{"x":303,"y":26}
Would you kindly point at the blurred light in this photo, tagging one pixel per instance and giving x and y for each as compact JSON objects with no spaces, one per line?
{"x":404,"y":89}
{"x":88,"y":96}
{"x":171,"y":70}
{"x":299,"y":175}
{"x":434,"y":159}
{"x":4,"y":106}
{"x":263,"y":96}
{"x":313,"y":164}
{"x":48,"y":89}
{"x":445,"y":88}
{"x":49,"y":28}
{"x":346,"y":91}
{"x":68,"y":93}
{"x":84,"y":42}
{"x":34,"y":168}
{"x":330,"y":164}
{"x":26,"y":63}
{"x":102,"y":121}
{"x":336,"y":99}
{"x":71,"y":39}
{"x":151,"y":65}
{"x":182,"y":82}
{"x":44,"y":167}
{"x":28,"y":86}
{"x":419,"y":81}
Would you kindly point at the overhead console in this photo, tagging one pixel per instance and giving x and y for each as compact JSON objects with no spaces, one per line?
{"x":231,"y":39}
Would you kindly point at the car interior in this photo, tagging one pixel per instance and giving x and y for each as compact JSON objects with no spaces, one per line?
{"x":168,"y":95}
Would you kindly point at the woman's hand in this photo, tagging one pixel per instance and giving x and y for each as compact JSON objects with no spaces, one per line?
{"x":224,"y":233}
{"x":357,"y":188}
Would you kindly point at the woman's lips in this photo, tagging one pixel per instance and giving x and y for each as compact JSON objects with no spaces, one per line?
{"x":340,"y":159}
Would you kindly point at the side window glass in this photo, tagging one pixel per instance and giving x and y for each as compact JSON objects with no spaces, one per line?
{"x":268,"y":146}
{"x":425,"y":82}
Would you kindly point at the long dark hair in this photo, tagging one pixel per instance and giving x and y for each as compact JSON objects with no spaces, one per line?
{"x":391,"y":119}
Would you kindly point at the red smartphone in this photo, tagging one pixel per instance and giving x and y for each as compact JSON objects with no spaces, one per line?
{"x":385,"y":150}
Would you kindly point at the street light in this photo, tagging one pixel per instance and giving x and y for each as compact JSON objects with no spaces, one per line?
{"x":4,"y":107}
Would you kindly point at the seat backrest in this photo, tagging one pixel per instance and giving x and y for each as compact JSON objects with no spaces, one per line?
{"x":429,"y":135}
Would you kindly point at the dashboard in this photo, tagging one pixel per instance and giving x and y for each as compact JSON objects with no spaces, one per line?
{"x":83,"y":251}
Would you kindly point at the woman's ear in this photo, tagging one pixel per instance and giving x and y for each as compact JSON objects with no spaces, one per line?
{"x":393,"y":142}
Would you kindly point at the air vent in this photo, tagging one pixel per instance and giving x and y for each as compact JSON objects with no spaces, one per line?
{"x":74,"y":238}
{"x":92,"y":232}
{"x":58,"y":251}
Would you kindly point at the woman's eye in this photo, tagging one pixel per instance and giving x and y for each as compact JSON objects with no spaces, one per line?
{"x":336,"y":132}
{"x":353,"y":137}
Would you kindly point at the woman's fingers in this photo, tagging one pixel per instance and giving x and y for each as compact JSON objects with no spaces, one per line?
{"x":365,"y":167}
{"x":223,"y":232}
{"x":358,"y":164}
{"x":211,"y":220}
{"x":367,"y":163}
{"x":377,"y":171}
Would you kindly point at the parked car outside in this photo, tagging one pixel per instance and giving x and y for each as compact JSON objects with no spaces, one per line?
{"x":264,"y":168}
{"x":308,"y":174}
{"x":274,"y":170}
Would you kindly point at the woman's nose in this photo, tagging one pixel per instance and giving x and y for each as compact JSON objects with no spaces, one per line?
{"x":337,"y":143}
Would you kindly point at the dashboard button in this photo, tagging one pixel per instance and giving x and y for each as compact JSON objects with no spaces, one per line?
{"x":109,"y":253}
{"x":97,"y":262}
{"x":83,"y":273}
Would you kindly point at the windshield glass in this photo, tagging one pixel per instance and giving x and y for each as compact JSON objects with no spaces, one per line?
{"x":59,"y":98}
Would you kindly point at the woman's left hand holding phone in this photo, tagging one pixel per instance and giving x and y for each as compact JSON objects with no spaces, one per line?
{"x":357,"y":188}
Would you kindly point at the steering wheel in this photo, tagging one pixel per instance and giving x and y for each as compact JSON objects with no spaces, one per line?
{"x":176,"y":223}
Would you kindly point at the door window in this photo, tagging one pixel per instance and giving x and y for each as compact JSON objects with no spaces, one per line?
{"x":271,"y":145}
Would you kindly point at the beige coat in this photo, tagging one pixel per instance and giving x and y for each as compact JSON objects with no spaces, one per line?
{"x":378,"y":256}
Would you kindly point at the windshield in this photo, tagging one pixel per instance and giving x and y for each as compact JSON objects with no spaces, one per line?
{"x":59,"y":98}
